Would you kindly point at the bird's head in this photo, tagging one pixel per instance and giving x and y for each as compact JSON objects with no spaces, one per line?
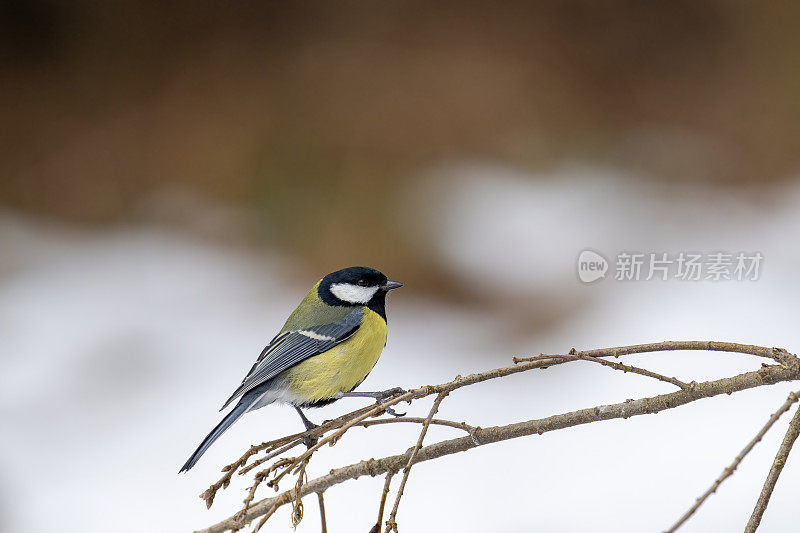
{"x":355,"y":286}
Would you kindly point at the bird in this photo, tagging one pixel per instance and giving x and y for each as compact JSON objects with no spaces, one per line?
{"x":326,"y":348}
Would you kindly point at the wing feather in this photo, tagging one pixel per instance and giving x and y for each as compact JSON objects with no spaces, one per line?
{"x":292,"y":347}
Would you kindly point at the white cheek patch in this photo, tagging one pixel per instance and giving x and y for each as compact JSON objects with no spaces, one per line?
{"x":354,"y":294}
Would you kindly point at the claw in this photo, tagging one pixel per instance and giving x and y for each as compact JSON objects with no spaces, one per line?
{"x":388,"y":393}
{"x":394,"y":413}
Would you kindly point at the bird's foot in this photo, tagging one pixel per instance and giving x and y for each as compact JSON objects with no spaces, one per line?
{"x":388,"y":393}
{"x":310,"y":441}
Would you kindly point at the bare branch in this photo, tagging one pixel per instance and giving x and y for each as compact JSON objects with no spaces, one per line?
{"x":283,"y":444}
{"x":774,"y":472}
{"x":735,"y":464}
{"x":787,"y":370}
{"x":778,"y":354}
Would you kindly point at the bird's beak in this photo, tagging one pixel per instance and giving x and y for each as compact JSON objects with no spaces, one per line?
{"x":389,"y":285}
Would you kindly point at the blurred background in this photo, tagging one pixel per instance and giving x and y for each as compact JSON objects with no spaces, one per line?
{"x":176,"y":175}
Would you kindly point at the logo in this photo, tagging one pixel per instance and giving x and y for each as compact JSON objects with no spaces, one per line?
{"x":663,"y":266}
{"x":591,"y":266}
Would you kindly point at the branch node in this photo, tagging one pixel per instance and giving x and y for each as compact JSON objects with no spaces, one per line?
{"x":371,"y":467}
{"x":473,"y":434}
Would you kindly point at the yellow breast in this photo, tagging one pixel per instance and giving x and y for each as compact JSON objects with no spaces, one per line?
{"x":342,"y":367}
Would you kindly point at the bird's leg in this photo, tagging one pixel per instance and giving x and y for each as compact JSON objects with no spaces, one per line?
{"x":307,"y":440}
{"x":378,"y":396}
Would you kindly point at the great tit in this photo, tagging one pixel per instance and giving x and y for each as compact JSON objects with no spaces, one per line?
{"x":325,"y":349}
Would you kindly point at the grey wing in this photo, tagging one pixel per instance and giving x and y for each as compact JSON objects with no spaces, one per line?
{"x":292,"y":347}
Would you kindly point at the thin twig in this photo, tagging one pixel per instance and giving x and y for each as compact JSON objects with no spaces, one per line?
{"x":280,"y":500}
{"x":777,"y":354}
{"x":418,"y":420}
{"x":735,"y":464}
{"x":259,"y":478}
{"x":391,"y":524}
{"x":229,"y":470}
{"x":297,"y":499}
{"x":271,"y":455}
{"x":322,"y":520}
{"x":386,"y":485}
{"x":611,"y":364}
{"x":774,"y":472}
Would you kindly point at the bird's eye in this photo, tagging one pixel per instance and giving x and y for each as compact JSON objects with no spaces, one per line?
{"x":362,"y":283}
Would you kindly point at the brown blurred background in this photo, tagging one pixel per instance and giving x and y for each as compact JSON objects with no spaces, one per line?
{"x":314,"y":115}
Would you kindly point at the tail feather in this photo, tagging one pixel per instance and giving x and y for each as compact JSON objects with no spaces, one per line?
{"x":226,"y":422}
